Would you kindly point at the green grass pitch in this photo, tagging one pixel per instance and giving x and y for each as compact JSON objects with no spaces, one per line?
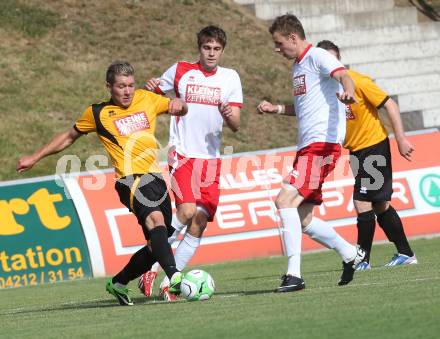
{"x":400,"y":302}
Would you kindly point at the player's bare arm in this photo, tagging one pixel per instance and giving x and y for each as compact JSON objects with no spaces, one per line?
{"x":393,"y":111}
{"x":231,"y":115}
{"x":347,"y":96}
{"x":269,"y":108}
{"x":152,"y":84}
{"x":57,"y":144}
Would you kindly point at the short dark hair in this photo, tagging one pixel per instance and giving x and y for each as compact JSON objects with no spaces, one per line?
{"x":211,"y":33}
{"x":329,"y":46}
{"x":118,"y":67}
{"x":286,"y":24}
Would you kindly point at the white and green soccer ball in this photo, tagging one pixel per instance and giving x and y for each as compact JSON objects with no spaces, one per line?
{"x":197,"y":285}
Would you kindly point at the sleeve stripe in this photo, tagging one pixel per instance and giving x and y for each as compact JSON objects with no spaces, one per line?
{"x":78,"y":130}
{"x":337,"y":70}
{"x":383,"y":102}
{"x":100,"y":129}
{"x":181,"y":69}
{"x":237,"y":104}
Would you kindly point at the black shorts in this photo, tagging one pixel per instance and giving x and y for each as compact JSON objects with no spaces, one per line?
{"x":374,"y":175}
{"x":144,"y":194}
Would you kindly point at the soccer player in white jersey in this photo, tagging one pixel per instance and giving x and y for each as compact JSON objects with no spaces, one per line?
{"x":214,"y":97}
{"x":319,"y":107}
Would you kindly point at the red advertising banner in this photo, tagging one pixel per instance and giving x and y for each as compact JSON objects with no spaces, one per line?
{"x":246,"y":223}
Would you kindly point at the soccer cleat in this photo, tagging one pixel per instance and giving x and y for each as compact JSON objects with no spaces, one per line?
{"x":165,"y":293}
{"x":120,"y":293}
{"x":363,"y":266}
{"x":402,"y":259}
{"x":175,"y":281}
{"x":290,"y":283}
{"x":146,"y":282}
{"x":348,"y":268}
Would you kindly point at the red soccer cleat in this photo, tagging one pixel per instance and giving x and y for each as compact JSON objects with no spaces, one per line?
{"x":166,"y":295}
{"x":146,"y":282}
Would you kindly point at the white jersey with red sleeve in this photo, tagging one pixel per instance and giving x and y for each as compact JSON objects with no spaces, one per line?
{"x":198,"y":133}
{"x":320,"y":115}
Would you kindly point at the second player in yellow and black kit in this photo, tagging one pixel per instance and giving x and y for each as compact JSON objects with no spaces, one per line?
{"x":125,"y":125}
{"x":370,"y":159}
{"x":366,"y":136}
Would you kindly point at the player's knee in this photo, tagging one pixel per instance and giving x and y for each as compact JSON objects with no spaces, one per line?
{"x":288,"y":197}
{"x":186,"y":213}
{"x":284,"y":201}
{"x":154,"y":219}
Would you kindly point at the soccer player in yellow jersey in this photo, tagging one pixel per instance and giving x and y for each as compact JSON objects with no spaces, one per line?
{"x":367,"y":140}
{"x":125,"y":125}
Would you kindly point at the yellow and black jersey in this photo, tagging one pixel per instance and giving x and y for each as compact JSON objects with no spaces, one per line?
{"x":127,"y":133}
{"x":364,"y":127}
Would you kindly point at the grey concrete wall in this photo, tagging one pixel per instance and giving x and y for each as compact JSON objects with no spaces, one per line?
{"x":400,"y":67}
{"x":379,"y":35}
{"x":270,"y":9}
{"x":378,"y":39}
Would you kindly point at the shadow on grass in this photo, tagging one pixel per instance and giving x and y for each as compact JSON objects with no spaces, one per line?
{"x":139,"y":301}
{"x":244,"y":293}
{"x":272,"y":276}
{"x":104,"y":303}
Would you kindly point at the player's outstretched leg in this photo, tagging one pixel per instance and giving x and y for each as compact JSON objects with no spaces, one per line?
{"x":162,"y":251}
{"x":147,"y":279}
{"x":348,"y":268}
{"x":184,"y":252}
{"x":321,"y":232}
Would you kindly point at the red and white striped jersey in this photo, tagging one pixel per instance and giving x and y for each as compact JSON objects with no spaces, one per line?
{"x":198,"y":133}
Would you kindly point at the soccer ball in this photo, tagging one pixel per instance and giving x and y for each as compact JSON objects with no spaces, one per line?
{"x":197,"y":285}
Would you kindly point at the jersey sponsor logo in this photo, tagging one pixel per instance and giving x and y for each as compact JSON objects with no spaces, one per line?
{"x":299,"y":85}
{"x":349,"y":113}
{"x":132,"y":123}
{"x":205,"y":95}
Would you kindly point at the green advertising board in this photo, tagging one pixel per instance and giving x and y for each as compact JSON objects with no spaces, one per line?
{"x":41,"y":238}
